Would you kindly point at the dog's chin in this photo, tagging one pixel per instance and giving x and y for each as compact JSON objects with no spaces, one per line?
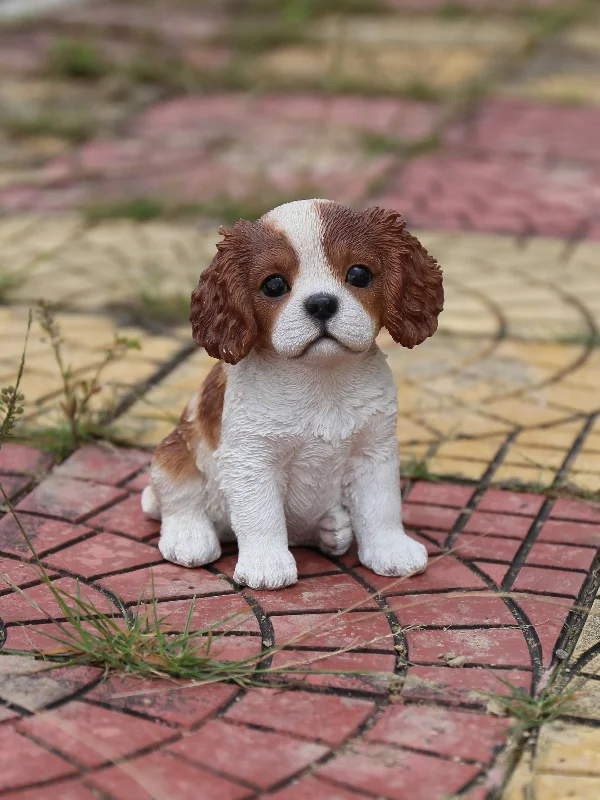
{"x":325,"y":349}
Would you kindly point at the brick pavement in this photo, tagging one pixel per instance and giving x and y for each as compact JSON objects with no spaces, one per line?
{"x":477,"y":121}
{"x":335,"y":735}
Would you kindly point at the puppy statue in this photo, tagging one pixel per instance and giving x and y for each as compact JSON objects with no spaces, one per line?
{"x":291,"y":440}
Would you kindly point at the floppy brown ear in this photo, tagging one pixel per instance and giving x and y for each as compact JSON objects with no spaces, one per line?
{"x":222,"y":318}
{"x":413,"y":293}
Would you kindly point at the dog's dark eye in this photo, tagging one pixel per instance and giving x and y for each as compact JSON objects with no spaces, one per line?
{"x":275,"y":286}
{"x":360,"y":276}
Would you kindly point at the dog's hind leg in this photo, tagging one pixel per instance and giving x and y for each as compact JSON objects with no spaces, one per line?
{"x":150,"y":503}
{"x":335,"y":532}
{"x":178,"y":492}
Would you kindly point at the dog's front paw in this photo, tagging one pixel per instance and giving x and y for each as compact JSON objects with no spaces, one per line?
{"x":395,"y":557}
{"x":335,"y":532}
{"x":269,"y":570}
{"x":188,"y":544}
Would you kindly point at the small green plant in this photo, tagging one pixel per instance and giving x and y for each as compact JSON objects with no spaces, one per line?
{"x":549,"y":20}
{"x":76,"y":58}
{"x":417,"y":469}
{"x":420,"y":147}
{"x":301,"y":11}
{"x":419,"y":90}
{"x":588,"y":340}
{"x":10,"y":279}
{"x":72,"y":127}
{"x":380,"y":144}
{"x":83,"y":422}
{"x":453,"y":10}
{"x":12,"y":401}
{"x":170,"y":309}
{"x":223,"y":208}
{"x":377,"y":144}
{"x":251,"y":36}
{"x":530,"y":713}
{"x":139,"y":209}
{"x":143,"y":645}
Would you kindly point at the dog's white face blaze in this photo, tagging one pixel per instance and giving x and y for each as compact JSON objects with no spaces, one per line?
{"x":352,"y":327}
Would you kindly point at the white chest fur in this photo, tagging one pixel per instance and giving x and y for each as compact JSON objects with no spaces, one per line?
{"x":302,"y":426}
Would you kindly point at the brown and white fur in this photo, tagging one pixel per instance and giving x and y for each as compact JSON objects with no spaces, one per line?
{"x":292,"y":438}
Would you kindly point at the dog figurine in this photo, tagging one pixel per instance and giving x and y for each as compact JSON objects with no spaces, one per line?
{"x":291,"y":440}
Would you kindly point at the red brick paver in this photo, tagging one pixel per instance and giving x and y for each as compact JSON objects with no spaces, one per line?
{"x":339,"y":736}
{"x":170,"y":150}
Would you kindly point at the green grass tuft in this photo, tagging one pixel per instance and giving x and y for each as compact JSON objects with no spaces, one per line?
{"x":417,"y":469}
{"x":139,"y":209}
{"x":143,"y":645}
{"x":76,"y":58}
{"x":530,"y":713}
{"x":377,"y":144}
{"x":72,"y":127}
{"x":419,"y":90}
{"x":170,"y":309}
{"x":454,"y":10}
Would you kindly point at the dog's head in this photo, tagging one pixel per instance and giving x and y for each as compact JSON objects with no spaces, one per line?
{"x":315,"y":280}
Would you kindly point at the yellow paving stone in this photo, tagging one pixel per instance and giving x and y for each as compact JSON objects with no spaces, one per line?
{"x":556,"y":356}
{"x":141,"y":432}
{"x":565,"y":787}
{"x":166,"y":401}
{"x":585,"y":38}
{"x":367,"y":68}
{"x":586,"y":378}
{"x":569,"y":395}
{"x":591,"y":443}
{"x":525,"y":411}
{"x":526,"y":476}
{"x":14,"y":227}
{"x":43,"y":362}
{"x":459,"y":468}
{"x":585,"y":253}
{"x":586,"y":697}
{"x":541,"y":247}
{"x":412,"y":454}
{"x":469,"y":389}
{"x":150,"y":406}
{"x":589,"y":481}
{"x":568,"y":748}
{"x":419,"y":31}
{"x":587,"y":462}
{"x":408,"y":431}
{"x":521,"y":780}
{"x":450,"y":424}
{"x":383,"y":51}
{"x":114,"y":260}
{"x":542,"y":457}
{"x":458,"y":323}
{"x":35,"y":386}
{"x":579,"y":86}
{"x":590,"y":635}
{"x":560,"y":436}
{"x":478,"y":449}
{"x":126,"y":371}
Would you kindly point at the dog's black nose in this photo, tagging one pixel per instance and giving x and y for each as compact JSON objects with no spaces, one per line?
{"x":321,"y":306}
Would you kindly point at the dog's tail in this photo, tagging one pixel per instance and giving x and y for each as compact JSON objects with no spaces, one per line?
{"x":150,"y":504}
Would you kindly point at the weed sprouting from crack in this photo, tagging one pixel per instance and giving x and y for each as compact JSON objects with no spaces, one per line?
{"x":12,"y":400}
{"x":83,"y":421}
{"x":78,"y":59}
{"x":529,"y":713}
